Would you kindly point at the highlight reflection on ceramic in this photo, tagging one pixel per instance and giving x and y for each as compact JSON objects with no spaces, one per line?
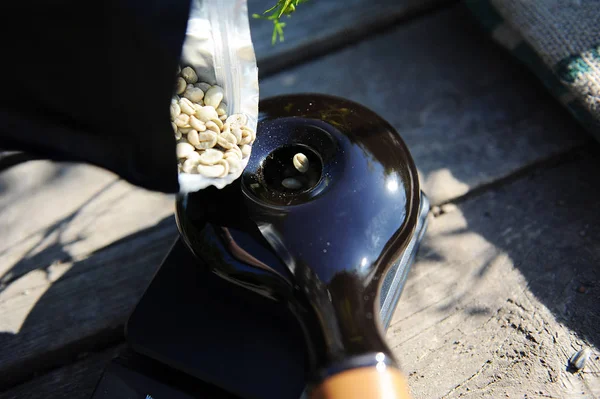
{"x":323,"y":248}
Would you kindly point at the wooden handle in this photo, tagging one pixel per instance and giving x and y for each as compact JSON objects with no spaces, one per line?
{"x":363,"y":383}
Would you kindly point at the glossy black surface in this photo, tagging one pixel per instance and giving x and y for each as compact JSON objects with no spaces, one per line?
{"x":323,"y":248}
{"x":193,"y":321}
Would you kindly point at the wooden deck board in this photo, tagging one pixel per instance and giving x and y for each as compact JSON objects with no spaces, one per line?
{"x":50,"y":315}
{"x":467,"y":122}
{"x":319,"y":26}
{"x":53,"y":213}
{"x":505,"y":289}
{"x":493,"y":307}
{"x":468,"y":112}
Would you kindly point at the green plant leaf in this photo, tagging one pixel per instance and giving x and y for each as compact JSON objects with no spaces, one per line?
{"x":283,"y":8}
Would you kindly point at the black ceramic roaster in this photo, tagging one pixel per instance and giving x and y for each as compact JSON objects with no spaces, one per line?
{"x":322,"y":242}
{"x":313,"y":266}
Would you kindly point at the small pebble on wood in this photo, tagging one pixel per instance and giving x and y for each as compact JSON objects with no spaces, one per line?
{"x":578,"y":360}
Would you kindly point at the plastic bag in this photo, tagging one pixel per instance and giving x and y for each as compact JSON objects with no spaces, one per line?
{"x":218,"y":46}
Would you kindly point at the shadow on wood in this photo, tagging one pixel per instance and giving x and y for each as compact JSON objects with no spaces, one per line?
{"x":469,"y":113}
{"x":507,"y":288}
{"x":83,"y":310}
{"x":33,"y":257}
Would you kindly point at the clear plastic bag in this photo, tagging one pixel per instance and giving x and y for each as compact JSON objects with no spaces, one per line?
{"x":218,"y":46}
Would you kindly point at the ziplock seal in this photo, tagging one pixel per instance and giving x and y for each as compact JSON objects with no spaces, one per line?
{"x":226,"y":65}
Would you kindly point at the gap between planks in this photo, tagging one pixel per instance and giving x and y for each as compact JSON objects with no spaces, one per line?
{"x":552,"y":161}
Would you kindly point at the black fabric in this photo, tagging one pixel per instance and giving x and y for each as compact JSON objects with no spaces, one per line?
{"x":91,"y":82}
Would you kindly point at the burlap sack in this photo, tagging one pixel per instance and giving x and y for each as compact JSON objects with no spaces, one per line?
{"x":559,"y":40}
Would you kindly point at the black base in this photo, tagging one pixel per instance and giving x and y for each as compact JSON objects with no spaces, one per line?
{"x":133,"y":376}
{"x":194,"y":321}
{"x":193,"y":332}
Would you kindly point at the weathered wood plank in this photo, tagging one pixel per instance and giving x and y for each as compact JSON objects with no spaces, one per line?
{"x":319,"y":26}
{"x":506,"y":289}
{"x":494,"y":306}
{"x":468,"y":112}
{"x":76,"y":381}
{"x":54,"y":217}
{"x":60,"y":213}
{"x":50,"y":314}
